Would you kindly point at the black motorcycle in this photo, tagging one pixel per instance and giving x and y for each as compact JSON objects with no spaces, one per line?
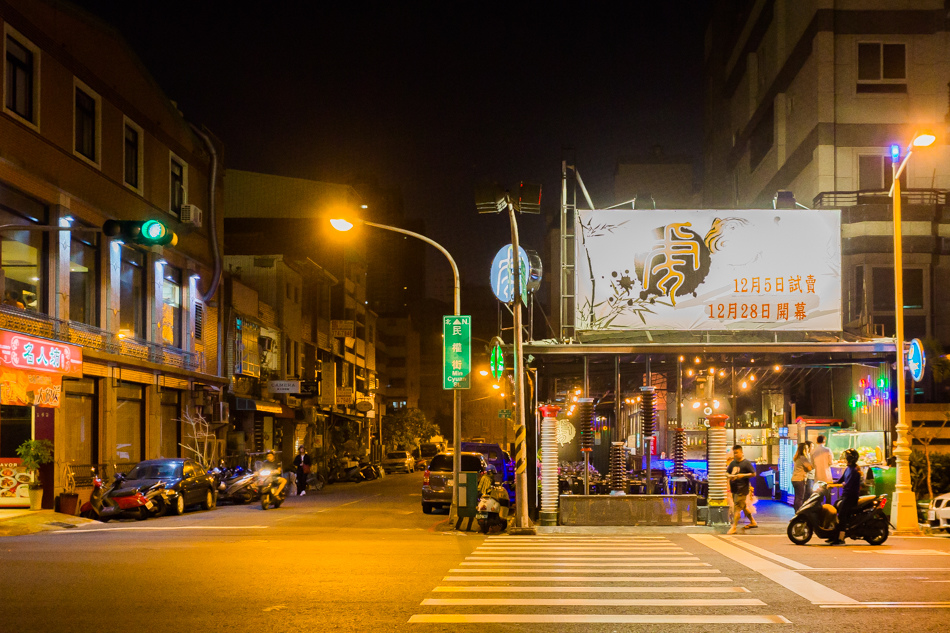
{"x":868,"y":521}
{"x":267,"y":484}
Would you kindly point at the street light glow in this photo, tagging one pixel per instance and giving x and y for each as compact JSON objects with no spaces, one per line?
{"x":483,"y":372}
{"x":924,"y":140}
{"x":340,"y":224}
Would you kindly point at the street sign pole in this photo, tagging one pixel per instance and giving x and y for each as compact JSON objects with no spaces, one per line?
{"x":521,"y":456}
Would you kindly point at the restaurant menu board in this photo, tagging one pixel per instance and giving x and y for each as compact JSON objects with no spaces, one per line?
{"x":32,"y":369}
{"x":14,"y":483}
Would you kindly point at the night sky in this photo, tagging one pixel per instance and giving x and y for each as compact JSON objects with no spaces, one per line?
{"x":431,"y":97}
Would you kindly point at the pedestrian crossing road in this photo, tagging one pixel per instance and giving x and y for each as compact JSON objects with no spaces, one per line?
{"x":591,"y":580}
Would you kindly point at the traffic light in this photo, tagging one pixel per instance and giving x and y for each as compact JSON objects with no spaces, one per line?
{"x":147,"y":233}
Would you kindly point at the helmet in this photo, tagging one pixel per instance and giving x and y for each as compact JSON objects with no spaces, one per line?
{"x":851,"y":456}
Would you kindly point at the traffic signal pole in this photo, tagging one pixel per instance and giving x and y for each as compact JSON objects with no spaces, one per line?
{"x":521,"y":460}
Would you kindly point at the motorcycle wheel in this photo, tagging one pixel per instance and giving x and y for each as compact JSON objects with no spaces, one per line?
{"x":278,"y":501}
{"x":161,"y":507}
{"x":142,"y":514}
{"x":483,"y":526}
{"x":265,"y":499}
{"x":799,"y":531}
{"x":876,"y":533}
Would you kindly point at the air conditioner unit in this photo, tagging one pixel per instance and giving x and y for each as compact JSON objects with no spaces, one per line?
{"x":190,"y":214}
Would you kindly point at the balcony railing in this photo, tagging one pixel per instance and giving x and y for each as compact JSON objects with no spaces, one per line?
{"x":90,"y":337}
{"x":839,"y":199}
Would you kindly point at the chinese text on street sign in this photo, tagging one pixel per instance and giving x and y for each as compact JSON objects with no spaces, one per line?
{"x":456,"y":352}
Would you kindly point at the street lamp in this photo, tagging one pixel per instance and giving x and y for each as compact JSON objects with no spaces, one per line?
{"x":344,"y":225}
{"x":903,"y":506}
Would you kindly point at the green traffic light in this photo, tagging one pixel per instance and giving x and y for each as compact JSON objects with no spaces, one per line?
{"x":153,"y":230}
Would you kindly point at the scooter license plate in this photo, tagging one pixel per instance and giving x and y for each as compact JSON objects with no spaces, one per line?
{"x":481,"y":515}
{"x":150,"y":505}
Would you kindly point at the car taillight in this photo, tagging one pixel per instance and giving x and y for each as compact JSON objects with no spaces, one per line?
{"x":425,"y":478}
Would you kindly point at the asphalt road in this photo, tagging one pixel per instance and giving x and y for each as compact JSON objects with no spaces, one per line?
{"x":363,"y":557}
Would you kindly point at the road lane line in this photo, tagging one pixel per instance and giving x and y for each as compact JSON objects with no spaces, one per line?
{"x":587,"y":578}
{"x":581,"y":558}
{"x":947,"y":569}
{"x":592,"y":618}
{"x":807,"y":588}
{"x":664,"y":564}
{"x":582,"y":570}
{"x":576,"y":589}
{"x":889,"y":605}
{"x":788,"y":562}
{"x":164,"y":528}
{"x":592,"y":602}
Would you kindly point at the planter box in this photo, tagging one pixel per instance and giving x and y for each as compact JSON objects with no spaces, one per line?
{"x":69,"y":503}
{"x":628,"y":510}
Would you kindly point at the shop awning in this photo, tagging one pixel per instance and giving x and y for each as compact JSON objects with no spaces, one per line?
{"x":246,"y":404}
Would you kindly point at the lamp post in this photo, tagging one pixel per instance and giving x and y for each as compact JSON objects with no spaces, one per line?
{"x":903,"y":506}
{"x":345,"y":225}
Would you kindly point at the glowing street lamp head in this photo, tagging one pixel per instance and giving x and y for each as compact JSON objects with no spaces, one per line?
{"x":925,"y":139}
{"x":340,"y":224}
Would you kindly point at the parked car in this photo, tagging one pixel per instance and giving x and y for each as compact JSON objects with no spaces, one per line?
{"x":426,"y":452}
{"x":939,"y":513}
{"x":399,"y":461}
{"x":437,"y":482}
{"x":186,"y":481}
{"x":494,"y":455}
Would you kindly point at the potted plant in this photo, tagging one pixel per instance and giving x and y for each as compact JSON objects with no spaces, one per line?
{"x":35,"y":453}
{"x":69,"y":499}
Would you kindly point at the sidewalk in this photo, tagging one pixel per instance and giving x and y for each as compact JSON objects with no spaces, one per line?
{"x":17,"y":522}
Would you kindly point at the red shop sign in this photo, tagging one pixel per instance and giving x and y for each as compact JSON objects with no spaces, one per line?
{"x":38,"y":355}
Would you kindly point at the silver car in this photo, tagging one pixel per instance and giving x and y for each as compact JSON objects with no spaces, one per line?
{"x":938,"y":514}
{"x":437,"y":480}
{"x":399,"y":461}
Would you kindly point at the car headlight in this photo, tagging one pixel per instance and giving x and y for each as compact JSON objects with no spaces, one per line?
{"x":265,"y":473}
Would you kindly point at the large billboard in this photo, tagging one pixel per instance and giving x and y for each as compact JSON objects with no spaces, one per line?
{"x":769,"y":269}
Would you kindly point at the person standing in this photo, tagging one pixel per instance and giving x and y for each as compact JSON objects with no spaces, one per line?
{"x":810,"y":475}
{"x":740,"y":471}
{"x":801,"y":467}
{"x":821,"y":459}
{"x":302,"y":466}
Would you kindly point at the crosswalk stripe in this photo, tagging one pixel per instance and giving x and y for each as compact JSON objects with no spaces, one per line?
{"x":618,"y":550}
{"x":584,"y":589}
{"x":552,"y":537}
{"x":584,"y":558}
{"x":593,"y":602}
{"x":592,"y":618}
{"x":589,"y":578}
{"x":664,"y":564}
{"x":583,"y":570}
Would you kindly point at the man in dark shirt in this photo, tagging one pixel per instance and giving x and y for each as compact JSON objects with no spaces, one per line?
{"x":740,"y":472}
{"x":850,"y":484}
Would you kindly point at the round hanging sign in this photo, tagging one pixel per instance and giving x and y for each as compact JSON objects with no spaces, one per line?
{"x":916,"y":360}
{"x":502,"y":267}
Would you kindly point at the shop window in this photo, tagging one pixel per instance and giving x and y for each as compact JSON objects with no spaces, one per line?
{"x":171,"y":306}
{"x":24,"y":253}
{"x":882,"y":68}
{"x":132,"y":295}
{"x":16,"y":426}
{"x":22,"y":81}
{"x":129,"y":423}
{"x":80,"y":422}
{"x":171,"y":423}
{"x":84,"y":278}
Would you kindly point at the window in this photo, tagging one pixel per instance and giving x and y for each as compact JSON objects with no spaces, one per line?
{"x":199,"y":320}
{"x":21,"y":81}
{"x":875,"y":173}
{"x":84,"y":278}
{"x":81,"y":425}
{"x":179,"y":184}
{"x":24,"y":254}
{"x":129,"y":423}
{"x":883,"y":280}
{"x":86,"y":125}
{"x":171,"y":305}
{"x":857,"y":306}
{"x":132,"y":296}
{"x":170,"y":414}
{"x":16,"y":426}
{"x":133,"y":156}
{"x":247,"y":352}
{"x":882,"y":68}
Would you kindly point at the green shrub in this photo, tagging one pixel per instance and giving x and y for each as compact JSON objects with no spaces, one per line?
{"x":940,"y":472}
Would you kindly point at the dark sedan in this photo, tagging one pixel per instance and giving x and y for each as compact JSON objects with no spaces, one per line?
{"x":186,"y":481}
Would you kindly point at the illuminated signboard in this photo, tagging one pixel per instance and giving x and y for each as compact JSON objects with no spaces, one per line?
{"x":769,"y":269}
{"x":32,"y":369}
{"x":916,"y":360}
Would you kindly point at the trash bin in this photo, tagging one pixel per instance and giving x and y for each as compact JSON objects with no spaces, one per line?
{"x":467,"y":494}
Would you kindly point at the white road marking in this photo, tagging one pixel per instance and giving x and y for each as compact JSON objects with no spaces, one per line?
{"x":554,"y":537}
{"x":592,"y":618}
{"x":165,"y":528}
{"x":585,"y":570}
{"x":593,"y":602}
{"x":794,"y":564}
{"x":589,"y":578}
{"x":577,"y":589}
{"x":664,"y":564}
{"x":901,"y":552}
{"x":889,"y":605}
{"x":807,"y":588}
{"x":583,"y":558}
{"x":864,"y":569}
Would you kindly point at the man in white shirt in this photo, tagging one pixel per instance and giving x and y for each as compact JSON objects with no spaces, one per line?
{"x":821,"y":458}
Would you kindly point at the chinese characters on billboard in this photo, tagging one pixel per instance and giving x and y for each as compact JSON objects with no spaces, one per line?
{"x":708,"y":270}
{"x":32,"y":369}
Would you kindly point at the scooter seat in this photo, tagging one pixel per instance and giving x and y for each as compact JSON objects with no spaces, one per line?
{"x":128,"y":492}
{"x":866,"y":499}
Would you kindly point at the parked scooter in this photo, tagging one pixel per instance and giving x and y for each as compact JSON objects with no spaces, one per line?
{"x":112,"y":503}
{"x":267,"y":484}
{"x":814,"y":517}
{"x":159,"y":496}
{"x":238,"y":487}
{"x":492,"y":510}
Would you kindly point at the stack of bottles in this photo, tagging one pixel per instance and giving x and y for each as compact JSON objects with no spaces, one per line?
{"x":618,"y":467}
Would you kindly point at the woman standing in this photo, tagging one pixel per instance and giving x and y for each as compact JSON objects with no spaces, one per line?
{"x":801,"y":468}
{"x":302,"y":466}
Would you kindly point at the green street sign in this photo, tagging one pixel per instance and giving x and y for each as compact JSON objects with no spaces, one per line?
{"x":504,"y":413}
{"x":456,"y":352}
{"x":497,"y":362}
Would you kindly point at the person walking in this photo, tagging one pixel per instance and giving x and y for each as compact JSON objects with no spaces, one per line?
{"x":801,"y":467}
{"x":302,"y":466}
{"x":810,"y":475}
{"x":821,"y":459}
{"x":740,"y":471}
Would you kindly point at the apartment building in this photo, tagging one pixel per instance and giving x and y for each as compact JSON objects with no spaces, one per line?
{"x":87,"y":136}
